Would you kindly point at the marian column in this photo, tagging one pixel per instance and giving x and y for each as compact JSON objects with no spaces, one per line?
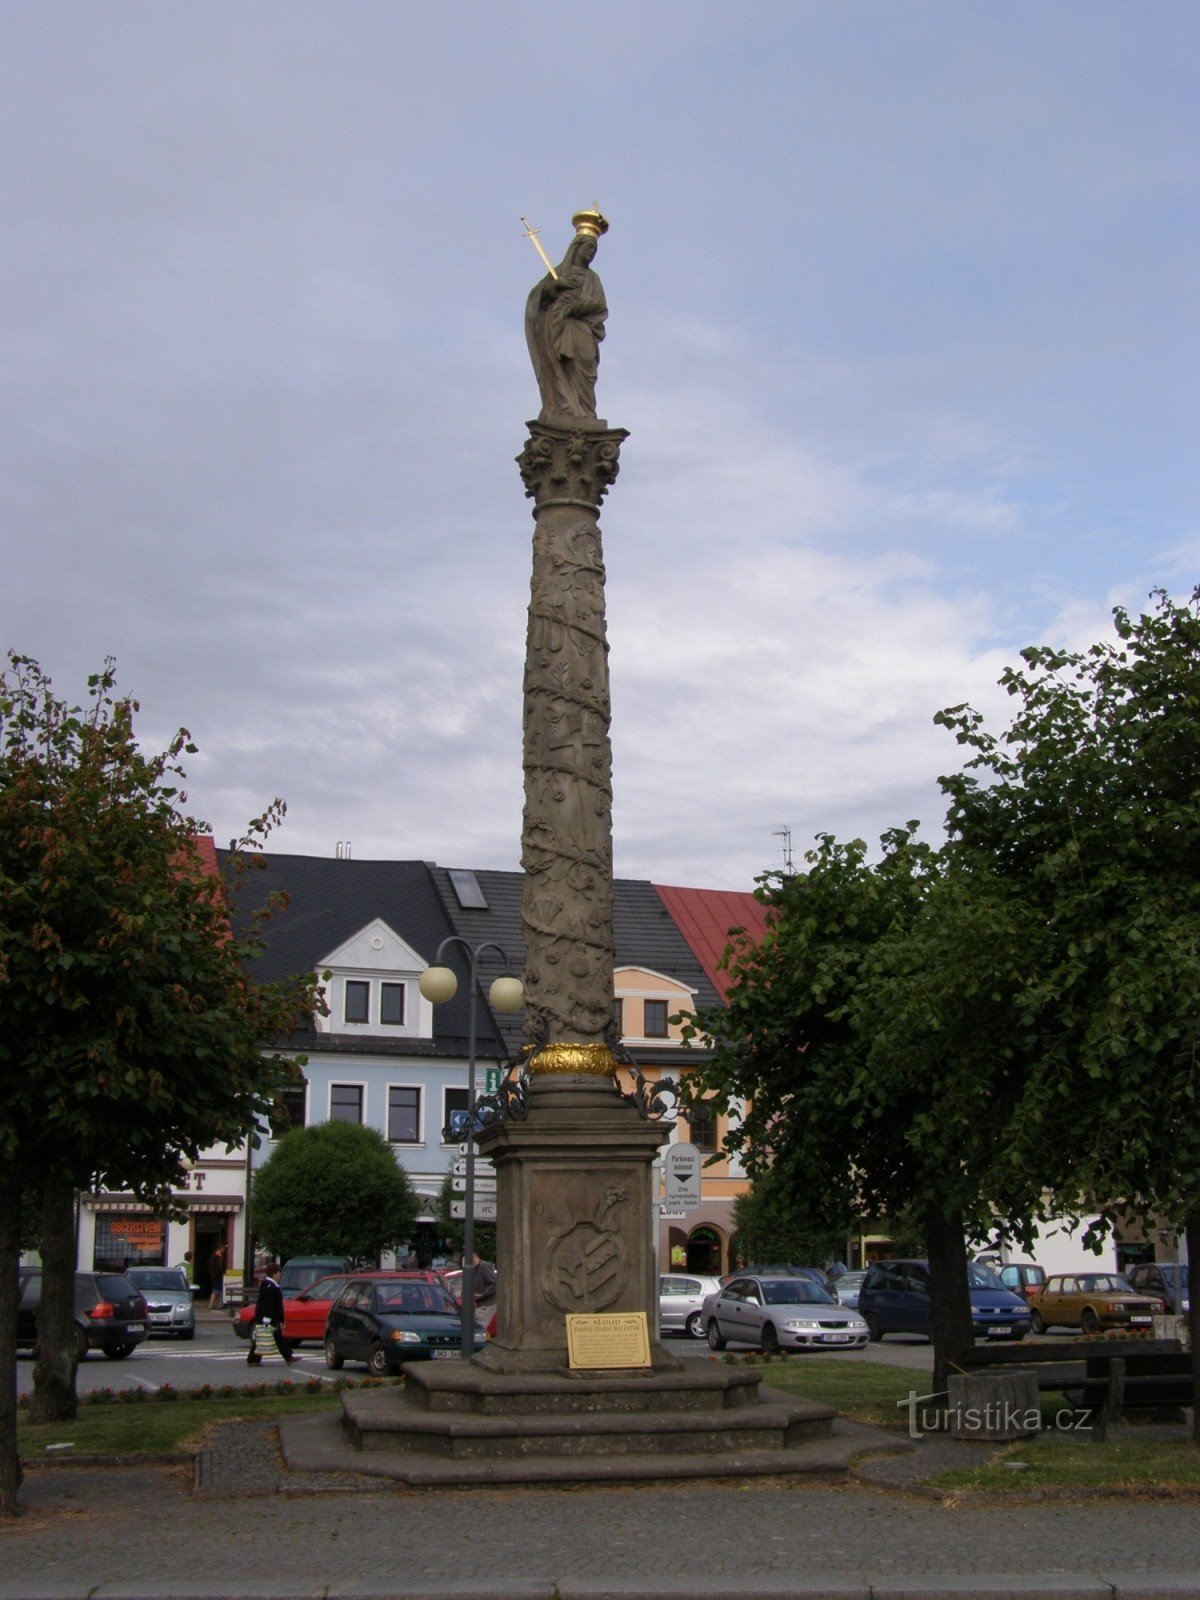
{"x":575,"y":1176}
{"x":568,"y":463}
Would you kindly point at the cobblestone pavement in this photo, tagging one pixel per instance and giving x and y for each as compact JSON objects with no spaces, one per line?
{"x":138,"y":1532}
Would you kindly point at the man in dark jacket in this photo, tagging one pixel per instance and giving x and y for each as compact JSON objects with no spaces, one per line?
{"x":269,"y":1308}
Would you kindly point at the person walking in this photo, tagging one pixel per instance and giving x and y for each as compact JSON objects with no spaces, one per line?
{"x":216,"y":1278}
{"x":268,"y":1308}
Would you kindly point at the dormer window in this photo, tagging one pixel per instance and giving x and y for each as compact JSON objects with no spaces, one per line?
{"x":391,"y":1004}
{"x":655,"y":1019}
{"x":370,"y":984}
{"x":358,"y":1000}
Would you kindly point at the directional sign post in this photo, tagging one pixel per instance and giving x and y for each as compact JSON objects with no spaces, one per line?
{"x":681,"y":1175}
{"x":485,"y":1208}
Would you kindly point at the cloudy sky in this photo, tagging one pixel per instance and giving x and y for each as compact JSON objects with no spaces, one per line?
{"x":903,"y":324}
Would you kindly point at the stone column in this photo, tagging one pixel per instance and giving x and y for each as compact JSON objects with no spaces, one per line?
{"x":566,"y":838}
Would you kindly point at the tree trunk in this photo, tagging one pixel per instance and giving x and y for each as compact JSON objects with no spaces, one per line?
{"x":949,"y":1303}
{"x":57,"y":1356}
{"x":10,"y":1255}
{"x":1191,"y":1233}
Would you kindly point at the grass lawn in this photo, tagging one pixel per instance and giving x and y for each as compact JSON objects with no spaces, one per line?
{"x":864,"y":1390}
{"x":1060,"y":1461}
{"x":1130,"y":1460}
{"x":155,"y":1426}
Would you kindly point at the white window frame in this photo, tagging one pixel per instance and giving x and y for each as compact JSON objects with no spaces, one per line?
{"x":419,"y":1090}
{"x":347,"y":1083}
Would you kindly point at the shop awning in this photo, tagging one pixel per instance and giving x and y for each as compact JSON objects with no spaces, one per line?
{"x":193,"y":1202}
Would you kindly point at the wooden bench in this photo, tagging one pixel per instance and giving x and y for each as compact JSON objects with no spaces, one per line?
{"x":1111,"y":1376}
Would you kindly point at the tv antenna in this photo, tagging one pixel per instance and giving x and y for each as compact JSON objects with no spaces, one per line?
{"x":785,"y":834}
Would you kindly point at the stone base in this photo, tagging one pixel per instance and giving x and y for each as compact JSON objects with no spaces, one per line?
{"x":463,"y":1425}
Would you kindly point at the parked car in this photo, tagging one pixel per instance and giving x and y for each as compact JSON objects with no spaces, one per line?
{"x":387,"y":1320}
{"x":109,"y":1313}
{"x":1092,"y":1301}
{"x":846,"y":1286}
{"x":304,"y":1314}
{"x":1166,"y":1280}
{"x":168,"y":1297}
{"x":1025,"y":1278}
{"x":681,"y":1302}
{"x":792,"y":1313}
{"x":299,"y":1271}
{"x":774,"y":1271}
{"x":894,"y":1298}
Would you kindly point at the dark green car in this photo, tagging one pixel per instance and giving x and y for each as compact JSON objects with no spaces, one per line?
{"x":387,"y":1321}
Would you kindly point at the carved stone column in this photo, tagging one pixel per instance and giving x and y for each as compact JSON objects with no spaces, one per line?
{"x":567,"y":833}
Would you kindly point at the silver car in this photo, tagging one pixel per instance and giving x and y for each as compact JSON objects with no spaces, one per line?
{"x":780,"y":1314}
{"x":169,"y":1295}
{"x":846,"y":1286}
{"x":681,"y":1302}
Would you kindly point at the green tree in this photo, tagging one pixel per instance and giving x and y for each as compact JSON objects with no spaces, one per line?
{"x":332,"y":1189}
{"x":1088,"y":807}
{"x":769,"y":1230}
{"x":133,"y":1037}
{"x":869,"y":1034}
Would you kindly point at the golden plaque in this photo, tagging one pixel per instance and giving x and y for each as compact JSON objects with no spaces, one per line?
{"x":617,"y":1339}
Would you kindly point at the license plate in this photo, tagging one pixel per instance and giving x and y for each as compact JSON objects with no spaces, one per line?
{"x":838,"y":1338}
{"x":160,"y":1316}
{"x":1139,"y":1319}
{"x":135,"y":1327}
{"x":1001,"y":1333}
{"x":447,"y":1355}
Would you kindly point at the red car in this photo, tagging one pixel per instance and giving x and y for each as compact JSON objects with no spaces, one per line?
{"x":305,"y":1314}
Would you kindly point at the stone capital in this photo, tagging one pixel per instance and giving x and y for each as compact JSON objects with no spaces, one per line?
{"x":570,"y":465}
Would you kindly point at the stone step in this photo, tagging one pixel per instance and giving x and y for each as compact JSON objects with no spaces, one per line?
{"x":384,"y":1420}
{"x":318,"y":1443}
{"x":456,"y":1388}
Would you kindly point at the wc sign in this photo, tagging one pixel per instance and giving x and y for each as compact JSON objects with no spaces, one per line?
{"x":681,"y":1173}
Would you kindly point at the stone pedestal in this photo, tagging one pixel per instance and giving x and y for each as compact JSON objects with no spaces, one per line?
{"x":574,"y":1221}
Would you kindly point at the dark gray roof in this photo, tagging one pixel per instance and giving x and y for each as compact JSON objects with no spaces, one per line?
{"x":329,"y":901}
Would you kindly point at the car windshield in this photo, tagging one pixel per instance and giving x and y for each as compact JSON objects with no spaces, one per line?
{"x":157,"y":1278}
{"x":981,"y":1277}
{"x":402,"y":1299}
{"x":796,"y":1292}
{"x":1106,"y":1283}
{"x":323,"y":1289}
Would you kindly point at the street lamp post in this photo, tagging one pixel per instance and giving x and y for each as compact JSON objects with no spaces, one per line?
{"x":438,"y":984}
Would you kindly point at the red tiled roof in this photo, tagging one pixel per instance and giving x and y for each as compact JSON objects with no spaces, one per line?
{"x":704,"y":918}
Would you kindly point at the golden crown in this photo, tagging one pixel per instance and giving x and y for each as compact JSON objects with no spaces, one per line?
{"x":590,"y":222}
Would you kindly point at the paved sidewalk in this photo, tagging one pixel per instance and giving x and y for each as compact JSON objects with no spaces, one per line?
{"x":259,"y":1531}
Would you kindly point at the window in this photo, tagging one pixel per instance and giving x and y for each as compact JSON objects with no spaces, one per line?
{"x":619,"y":1017}
{"x":391,"y":1004}
{"x":654,"y":1025}
{"x":704,"y":1128}
{"x":345,"y":1102}
{"x":358,"y":1000}
{"x":289,"y":1110}
{"x":468,"y":889}
{"x":404,"y":1115}
{"x":453,"y":1101}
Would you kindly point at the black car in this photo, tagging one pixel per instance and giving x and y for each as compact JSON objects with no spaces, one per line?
{"x":387,"y":1321}
{"x":110,"y":1314}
